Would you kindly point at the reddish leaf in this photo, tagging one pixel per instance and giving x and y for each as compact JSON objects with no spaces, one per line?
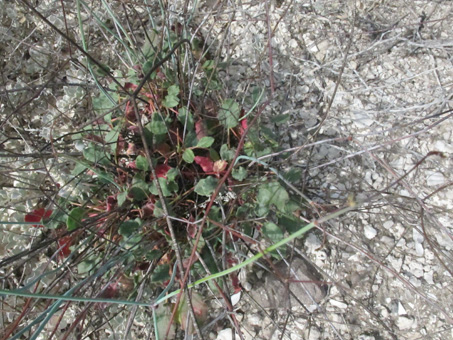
{"x":129,"y":86}
{"x":63,"y":244}
{"x":191,"y":230}
{"x":130,"y":112}
{"x":235,"y":282}
{"x":37,"y":216}
{"x":132,"y":165}
{"x":121,"y":144}
{"x":200,"y":129}
{"x":161,"y":170}
{"x":131,"y":149}
{"x":205,"y":162}
{"x":243,"y":126}
{"x":164,"y":149}
{"x":148,"y":208}
{"x":110,"y":203}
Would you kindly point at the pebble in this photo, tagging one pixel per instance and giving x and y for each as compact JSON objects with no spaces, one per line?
{"x":370,"y":232}
{"x":225,"y":334}
{"x":338,"y":304}
{"x":405,"y":322}
{"x":435,"y":179}
{"x":235,"y":298}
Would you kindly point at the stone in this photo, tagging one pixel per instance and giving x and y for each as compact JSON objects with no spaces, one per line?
{"x":405,"y":322}
{"x":369,"y":232}
{"x":225,"y":334}
{"x":338,"y":304}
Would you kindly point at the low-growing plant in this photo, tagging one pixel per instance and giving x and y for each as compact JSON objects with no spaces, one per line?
{"x":168,"y":185}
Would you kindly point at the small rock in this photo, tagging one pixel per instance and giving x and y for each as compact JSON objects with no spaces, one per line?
{"x":405,"y":322}
{"x":428,"y":276}
{"x":338,"y":304}
{"x":435,"y":179}
{"x":254,"y":320}
{"x":369,"y":232}
{"x":235,"y":298}
{"x":225,"y":334}
{"x":401,"y":309}
{"x":388,"y":224}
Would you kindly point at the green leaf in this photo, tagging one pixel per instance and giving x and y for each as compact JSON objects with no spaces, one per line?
{"x":239,"y":174}
{"x":290,"y":223}
{"x":186,"y":117}
{"x":112,"y":139}
{"x":229,"y":113}
{"x":213,"y":155}
{"x":75,"y":218}
{"x":173,"y":90}
{"x":157,"y":124}
{"x":57,"y":218}
{"x":121,"y":198}
{"x":280,"y":119}
{"x":102,"y":104}
{"x":87,"y":265}
{"x":95,"y":153}
{"x":161,"y":273}
{"x":205,"y":142}
{"x":137,"y":193}
{"x":209,"y":64}
{"x":226,"y":154}
{"x":127,"y":228}
{"x":167,"y":188}
{"x":272,"y":193}
{"x":293,"y":175}
{"x":172,"y":173}
{"x":273,"y":232}
{"x":206,"y":186}
{"x":153,"y":255}
{"x":148,"y":65}
{"x":158,"y":210}
{"x":191,"y":139}
{"x":142,"y":163}
{"x":170,"y":101}
{"x":188,"y":156}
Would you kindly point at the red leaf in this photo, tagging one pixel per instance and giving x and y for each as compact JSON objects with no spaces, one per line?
{"x":236,"y":283}
{"x":128,"y":86}
{"x":243,"y":126}
{"x":148,"y":208}
{"x":37,"y":216}
{"x":161,"y":170}
{"x":131,"y":165}
{"x":200,"y":129}
{"x":192,"y":230}
{"x":110,"y":291}
{"x":205,"y":162}
{"x":63,"y":244}
{"x":110,"y":203}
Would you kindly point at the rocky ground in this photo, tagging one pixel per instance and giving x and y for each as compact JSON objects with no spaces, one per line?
{"x":367,"y":87}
